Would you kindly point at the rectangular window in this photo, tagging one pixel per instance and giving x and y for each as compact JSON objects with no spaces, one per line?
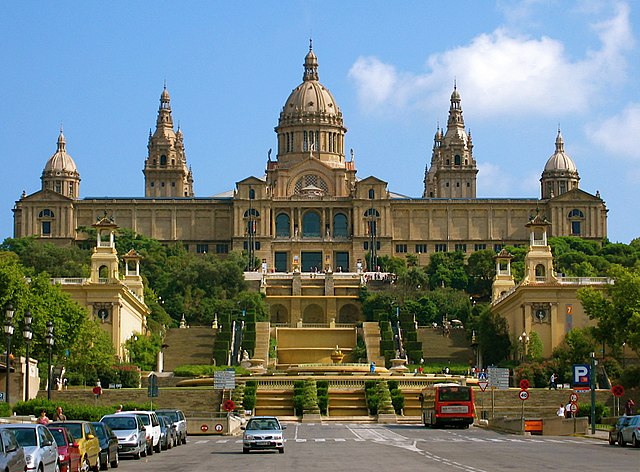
{"x":461,"y":247}
{"x":498,"y":247}
{"x":365,"y":246}
{"x":401,"y":248}
{"x":575,"y":228}
{"x":202,"y":248}
{"x":222,"y":248}
{"x":186,"y":247}
{"x":421,"y":248}
{"x":479,"y":247}
{"x":46,"y":228}
{"x":441,"y":248}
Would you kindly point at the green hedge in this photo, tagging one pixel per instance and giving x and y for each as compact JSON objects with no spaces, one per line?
{"x":249,"y":399}
{"x":205,"y":370}
{"x":584,"y":409}
{"x":73,"y":411}
{"x":221,"y":356}
{"x":323,"y":396}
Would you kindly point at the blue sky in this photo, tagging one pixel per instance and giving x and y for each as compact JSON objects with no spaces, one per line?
{"x":523,"y":68}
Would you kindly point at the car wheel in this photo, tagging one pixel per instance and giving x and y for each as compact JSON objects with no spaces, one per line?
{"x":137,"y":455}
{"x":621,"y":442}
{"x":184,"y":439}
{"x":635,"y":441}
{"x":96,"y":468}
{"x":158,"y":447}
{"x":85,"y":467}
{"x":281,"y":450}
{"x":104,"y":464}
{"x":57,"y":469}
{"x":143,"y":451}
{"x":245,"y":450}
{"x":612,"y":440}
{"x":115,"y":462}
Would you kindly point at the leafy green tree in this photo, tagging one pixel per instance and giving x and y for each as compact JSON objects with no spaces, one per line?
{"x":492,"y":331}
{"x":57,"y":261}
{"x":91,"y":352}
{"x":481,"y":267}
{"x":576,"y":348}
{"x":447,"y":269}
{"x":617,"y":309}
{"x":535,"y":348}
{"x":143,"y":350}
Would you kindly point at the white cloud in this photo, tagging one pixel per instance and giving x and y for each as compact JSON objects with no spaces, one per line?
{"x":505,"y":73}
{"x":618,"y":134}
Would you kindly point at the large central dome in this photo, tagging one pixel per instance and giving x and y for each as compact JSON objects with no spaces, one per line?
{"x":310,"y":101}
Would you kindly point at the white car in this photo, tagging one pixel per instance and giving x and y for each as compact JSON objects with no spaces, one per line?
{"x":40,"y":449}
{"x":152,"y":425}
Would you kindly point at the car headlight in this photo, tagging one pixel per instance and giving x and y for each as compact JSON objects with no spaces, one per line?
{"x":29,"y":459}
{"x":249,"y":437}
{"x":277,"y":437}
{"x":60,"y":457}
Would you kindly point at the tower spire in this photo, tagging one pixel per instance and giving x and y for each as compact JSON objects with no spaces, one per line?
{"x":310,"y":65}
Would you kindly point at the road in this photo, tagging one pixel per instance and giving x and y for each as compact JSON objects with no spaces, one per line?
{"x":398,"y":448}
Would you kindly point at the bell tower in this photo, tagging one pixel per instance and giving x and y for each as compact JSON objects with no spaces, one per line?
{"x":538,"y":263}
{"x":104,"y":260}
{"x":165,"y":170}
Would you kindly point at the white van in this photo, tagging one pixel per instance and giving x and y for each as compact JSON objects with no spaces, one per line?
{"x":152,"y":425}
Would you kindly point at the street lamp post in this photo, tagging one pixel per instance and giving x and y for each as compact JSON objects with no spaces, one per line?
{"x":50,"y":341}
{"x":28,"y":334}
{"x":8,"y":331}
{"x":524,"y":339}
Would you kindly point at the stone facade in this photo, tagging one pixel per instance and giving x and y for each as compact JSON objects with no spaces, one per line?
{"x":309,"y":209}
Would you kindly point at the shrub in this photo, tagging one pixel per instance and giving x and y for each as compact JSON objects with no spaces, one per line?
{"x":630,"y":377}
{"x":584,"y":409}
{"x":249,"y":399}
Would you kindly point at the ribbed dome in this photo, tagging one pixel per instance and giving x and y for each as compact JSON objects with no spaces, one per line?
{"x":560,"y":161}
{"x":60,"y":162}
{"x":310,"y":97}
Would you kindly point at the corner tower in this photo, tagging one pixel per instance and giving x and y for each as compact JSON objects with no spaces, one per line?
{"x":165,"y":170}
{"x":453,"y":169}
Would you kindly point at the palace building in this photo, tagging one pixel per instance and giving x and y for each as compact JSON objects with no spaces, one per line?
{"x":308,"y":210}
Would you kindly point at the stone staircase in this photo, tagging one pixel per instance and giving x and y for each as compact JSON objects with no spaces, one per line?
{"x":278,"y":402}
{"x":347,"y":402}
{"x":371,"y":334}
{"x":188,"y":346}
{"x":441,"y":349}
{"x":262,"y":341}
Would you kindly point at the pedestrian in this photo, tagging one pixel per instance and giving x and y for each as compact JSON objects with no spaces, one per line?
{"x":567,"y":411}
{"x":119,"y":409}
{"x":629,"y":407}
{"x":552,"y":381}
{"x":59,"y":415}
{"x":560,"y":411}
{"x":43,"y":419}
{"x":372,"y":368}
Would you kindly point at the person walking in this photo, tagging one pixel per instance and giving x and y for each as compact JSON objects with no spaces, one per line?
{"x":43,"y":419}
{"x":629,"y":407}
{"x":552,"y":381}
{"x":59,"y":415}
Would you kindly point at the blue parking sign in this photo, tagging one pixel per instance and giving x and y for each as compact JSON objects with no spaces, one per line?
{"x":581,"y":375}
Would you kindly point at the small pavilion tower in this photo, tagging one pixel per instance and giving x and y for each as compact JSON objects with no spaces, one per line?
{"x":504,"y":279}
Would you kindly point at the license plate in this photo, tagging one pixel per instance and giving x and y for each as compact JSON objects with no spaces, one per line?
{"x":455,"y":409}
{"x":263,"y":443}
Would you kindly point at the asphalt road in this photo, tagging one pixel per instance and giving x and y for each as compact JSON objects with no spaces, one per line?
{"x":373,"y":447}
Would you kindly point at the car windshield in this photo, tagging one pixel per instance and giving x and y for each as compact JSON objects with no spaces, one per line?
{"x":145,"y":419}
{"x":99,"y":430}
{"x":263,"y":423}
{"x":454,"y":394}
{"x":59,"y":437}
{"x":26,"y":436}
{"x":171,"y":414}
{"x":75,"y":429}
{"x":120,"y":423}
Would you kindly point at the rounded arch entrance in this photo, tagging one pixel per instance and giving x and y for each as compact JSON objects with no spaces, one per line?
{"x":349,"y":313}
{"x":279,"y":314}
{"x":313,"y":314}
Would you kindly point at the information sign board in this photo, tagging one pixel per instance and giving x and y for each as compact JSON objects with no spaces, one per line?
{"x":498,"y":378}
{"x":224,"y":379}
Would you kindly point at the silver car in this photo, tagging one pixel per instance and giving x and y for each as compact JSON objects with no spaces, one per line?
{"x":179,"y":420}
{"x":40,"y":449}
{"x":131,"y":433}
{"x":11,"y":453}
{"x":263,"y":432}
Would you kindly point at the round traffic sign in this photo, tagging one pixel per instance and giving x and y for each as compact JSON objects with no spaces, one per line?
{"x":617,"y":390}
{"x":573,"y":397}
{"x":524,"y":384}
{"x":228,"y":405}
{"x":523,"y":395}
{"x":204,"y":428}
{"x":218,"y":427}
{"x":573,"y":407}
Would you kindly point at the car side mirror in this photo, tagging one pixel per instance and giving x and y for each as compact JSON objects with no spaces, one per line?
{"x":12,"y":447}
{"x":242,"y":428}
{"x":90,"y":436}
{"x":284,"y":426}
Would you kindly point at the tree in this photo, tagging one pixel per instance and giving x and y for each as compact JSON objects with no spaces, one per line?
{"x":91,"y":352}
{"x":447,"y":269}
{"x":492,"y":331}
{"x":57,"y":261}
{"x":481,"y":267}
{"x":617,"y":309}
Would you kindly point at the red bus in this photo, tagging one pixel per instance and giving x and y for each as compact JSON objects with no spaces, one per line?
{"x":447,"y":404}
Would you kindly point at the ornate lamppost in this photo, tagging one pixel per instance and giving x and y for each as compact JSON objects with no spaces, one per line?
{"x":28,"y":335}
{"x":50,"y":342}
{"x":524,"y":339}
{"x":8,"y":331}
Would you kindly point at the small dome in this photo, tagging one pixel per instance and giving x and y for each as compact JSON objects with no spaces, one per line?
{"x":60,"y":162}
{"x":560,"y":161}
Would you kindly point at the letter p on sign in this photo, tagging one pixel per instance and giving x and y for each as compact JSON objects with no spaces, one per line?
{"x":581,"y":375}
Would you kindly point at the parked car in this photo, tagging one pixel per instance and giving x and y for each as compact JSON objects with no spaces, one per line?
{"x":40,"y":449}
{"x":87,"y":440}
{"x":171,"y":430}
{"x":68,"y":450}
{"x":630,"y":432}
{"x":131,"y":434}
{"x":614,"y":432}
{"x":166,"y":433}
{"x":11,"y":453}
{"x":152,"y":425}
{"x":179,"y":420}
{"x":108,"y":445}
{"x":263,"y":432}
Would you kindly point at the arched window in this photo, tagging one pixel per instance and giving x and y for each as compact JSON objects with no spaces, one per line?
{"x":311,"y":225}
{"x":540,"y":271}
{"x":283,"y":226}
{"x":457,"y":160}
{"x":163,"y":160}
{"x":253,"y":212}
{"x":103,"y":272}
{"x":575,"y":213}
{"x":340,"y":226}
{"x":46,"y":213}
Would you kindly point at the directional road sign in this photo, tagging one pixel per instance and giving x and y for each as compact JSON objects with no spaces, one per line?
{"x":499,"y":378}
{"x":224,"y":379}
